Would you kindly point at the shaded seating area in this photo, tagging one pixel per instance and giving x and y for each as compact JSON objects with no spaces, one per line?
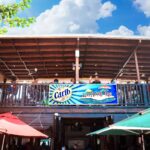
{"x":11,"y":128}
{"x":138,"y":124}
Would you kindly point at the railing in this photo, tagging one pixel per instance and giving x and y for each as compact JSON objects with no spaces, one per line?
{"x":34,"y":95}
{"x":133,"y":94}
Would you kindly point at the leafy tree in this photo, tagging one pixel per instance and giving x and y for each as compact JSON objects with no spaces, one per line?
{"x":8,"y":15}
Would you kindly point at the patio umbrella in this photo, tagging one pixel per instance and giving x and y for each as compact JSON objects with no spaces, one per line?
{"x":11,"y":124}
{"x":114,"y":130}
{"x":138,"y":124}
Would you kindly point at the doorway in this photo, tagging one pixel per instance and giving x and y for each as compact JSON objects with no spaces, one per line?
{"x":72,"y":132}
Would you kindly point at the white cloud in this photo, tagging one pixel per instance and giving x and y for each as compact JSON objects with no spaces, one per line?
{"x":70,"y":16}
{"x":144,"y":30}
{"x":5,"y":2}
{"x":143,"y":5}
{"x":121,"y":31}
{"x":106,"y":9}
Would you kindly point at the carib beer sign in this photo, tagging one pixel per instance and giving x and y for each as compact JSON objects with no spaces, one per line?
{"x":82,"y":94}
{"x":62,"y":94}
{"x":59,"y":94}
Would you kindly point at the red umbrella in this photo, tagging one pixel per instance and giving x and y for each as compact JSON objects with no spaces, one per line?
{"x":11,"y":124}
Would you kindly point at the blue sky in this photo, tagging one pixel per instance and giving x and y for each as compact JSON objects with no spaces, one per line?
{"x":113,"y":17}
{"x":126,"y":14}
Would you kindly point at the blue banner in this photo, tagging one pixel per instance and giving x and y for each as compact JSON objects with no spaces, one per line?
{"x":82,"y":94}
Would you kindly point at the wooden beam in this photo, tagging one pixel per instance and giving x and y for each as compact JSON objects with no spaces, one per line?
{"x":22,"y":61}
{"x":54,"y":49}
{"x":57,"y":49}
{"x":126,"y":62}
{"x":97,"y":41}
{"x":71,"y":60}
{"x":65,"y":55}
{"x":137,"y":66}
{"x":41,"y":56}
{"x":12,"y":73}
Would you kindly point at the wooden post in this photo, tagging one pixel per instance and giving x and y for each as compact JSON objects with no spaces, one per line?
{"x":3,"y":142}
{"x":56,"y":132}
{"x":77,"y":53}
{"x":142,"y":141}
{"x":137,"y":67}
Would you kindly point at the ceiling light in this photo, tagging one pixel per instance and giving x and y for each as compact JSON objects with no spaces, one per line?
{"x":35,"y":69}
{"x":56,"y":74}
{"x":143,"y":75}
{"x":142,"y":66}
{"x":96,"y":74}
{"x":77,"y":53}
{"x":95,"y":65}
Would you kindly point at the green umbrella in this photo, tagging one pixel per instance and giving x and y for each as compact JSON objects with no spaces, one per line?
{"x":138,"y":121}
{"x":113,"y":130}
{"x":138,"y":124}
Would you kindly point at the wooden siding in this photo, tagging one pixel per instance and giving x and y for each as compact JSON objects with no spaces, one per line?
{"x":43,"y":117}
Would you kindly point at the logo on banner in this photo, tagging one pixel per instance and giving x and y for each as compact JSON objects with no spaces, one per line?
{"x":62,"y":94}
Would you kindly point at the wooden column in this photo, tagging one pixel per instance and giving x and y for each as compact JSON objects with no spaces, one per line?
{"x":2,"y":77}
{"x":137,"y":67}
{"x":77,"y":65}
{"x":142,"y":141}
{"x":3,"y":142}
{"x":55,"y":132}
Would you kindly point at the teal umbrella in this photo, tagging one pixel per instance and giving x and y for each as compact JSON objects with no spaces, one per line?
{"x":113,"y":130}
{"x":138,"y":124}
{"x":138,"y":121}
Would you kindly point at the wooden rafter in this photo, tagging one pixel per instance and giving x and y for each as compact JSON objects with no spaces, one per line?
{"x":127,"y":60}
{"x":108,"y":53}
{"x":12,"y":73}
{"x":22,"y":61}
{"x":41,"y":56}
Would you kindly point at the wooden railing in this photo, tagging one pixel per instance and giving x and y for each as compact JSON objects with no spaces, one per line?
{"x":34,"y":95}
{"x":133,"y":94}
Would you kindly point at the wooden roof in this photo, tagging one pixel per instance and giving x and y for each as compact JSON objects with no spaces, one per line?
{"x":19,"y":56}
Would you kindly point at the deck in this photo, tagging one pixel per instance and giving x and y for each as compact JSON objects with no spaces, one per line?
{"x":26,"y":101}
{"x":23,"y":95}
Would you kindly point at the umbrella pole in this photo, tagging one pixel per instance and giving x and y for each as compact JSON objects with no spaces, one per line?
{"x":2,"y":147}
{"x":143,"y":143}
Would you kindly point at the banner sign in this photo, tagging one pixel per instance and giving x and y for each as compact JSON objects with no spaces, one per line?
{"x":82,"y":94}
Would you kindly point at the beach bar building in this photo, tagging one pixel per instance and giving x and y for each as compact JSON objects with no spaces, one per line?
{"x":66,"y":110}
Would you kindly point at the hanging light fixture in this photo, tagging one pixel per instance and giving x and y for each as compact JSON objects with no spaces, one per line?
{"x":56,"y":74}
{"x":77,"y":53}
{"x":74,"y":65}
{"x":35,"y":69}
{"x":96,"y":74}
{"x":143,"y":75}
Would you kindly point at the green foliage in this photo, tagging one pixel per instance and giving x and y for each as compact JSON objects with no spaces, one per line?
{"x":8,"y":15}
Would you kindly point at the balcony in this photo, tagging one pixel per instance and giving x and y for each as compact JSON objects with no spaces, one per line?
{"x":34,"y":95}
